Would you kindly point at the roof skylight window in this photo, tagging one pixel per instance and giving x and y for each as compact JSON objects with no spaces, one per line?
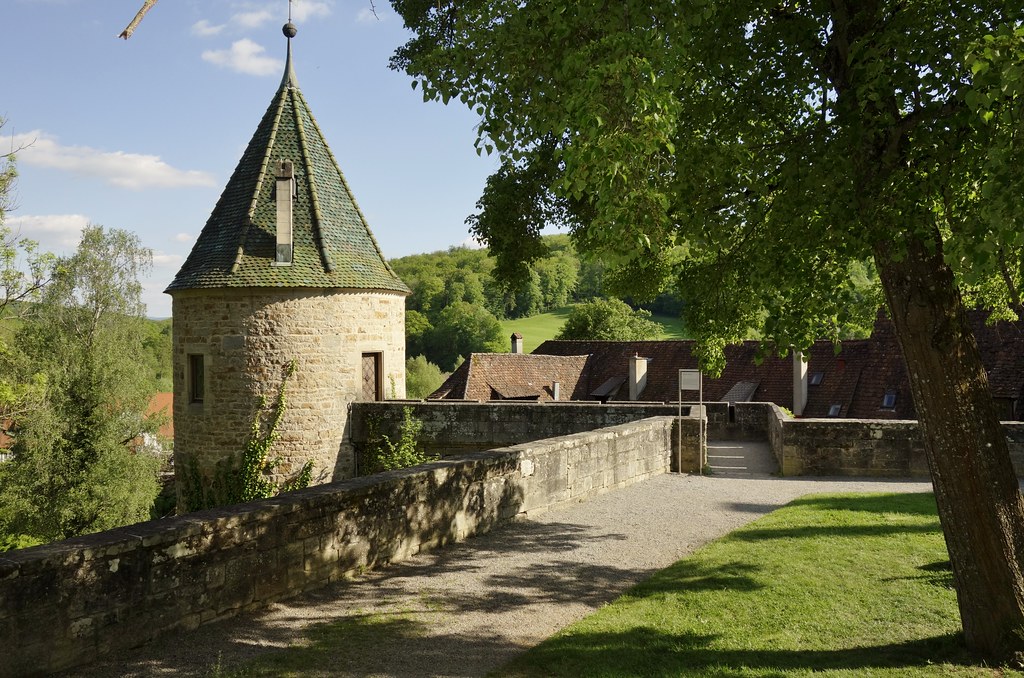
{"x":816,"y":378}
{"x":834,"y":410}
{"x":889,"y":401}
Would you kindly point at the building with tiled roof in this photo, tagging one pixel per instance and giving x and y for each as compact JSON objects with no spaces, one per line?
{"x":517,"y":376}
{"x":864,"y":379}
{"x":286,"y":271}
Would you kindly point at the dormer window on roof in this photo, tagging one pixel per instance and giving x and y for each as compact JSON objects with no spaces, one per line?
{"x":889,"y":400}
{"x":285,"y":199}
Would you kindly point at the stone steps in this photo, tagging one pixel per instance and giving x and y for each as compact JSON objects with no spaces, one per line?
{"x":741,"y":458}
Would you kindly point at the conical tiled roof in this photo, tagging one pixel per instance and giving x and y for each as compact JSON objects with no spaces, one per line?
{"x":333,"y":246}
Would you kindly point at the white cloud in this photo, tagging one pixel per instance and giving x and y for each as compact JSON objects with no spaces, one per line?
{"x":205,"y":29}
{"x":301,"y":10}
{"x":245,"y":56}
{"x":183,"y":237}
{"x":308,"y":9}
{"x":58,"y":233}
{"x":133,"y":171}
{"x":161,"y":259}
{"x":253,"y":19}
{"x":472,"y":243}
{"x":158,"y":304}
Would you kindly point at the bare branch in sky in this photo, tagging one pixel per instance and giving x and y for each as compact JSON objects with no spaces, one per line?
{"x":146,"y":6}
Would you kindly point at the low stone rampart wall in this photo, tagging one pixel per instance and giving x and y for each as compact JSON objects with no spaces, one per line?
{"x":809,"y":447}
{"x":851,"y":447}
{"x":862,"y":447}
{"x":451,"y":428}
{"x":67,"y":603}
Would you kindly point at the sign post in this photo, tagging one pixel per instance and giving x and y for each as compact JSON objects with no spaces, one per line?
{"x":691,"y":380}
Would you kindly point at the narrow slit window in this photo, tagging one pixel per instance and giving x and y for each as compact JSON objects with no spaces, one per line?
{"x":889,"y":400}
{"x":285,"y":200}
{"x":834,"y":410}
{"x":196,"y":378}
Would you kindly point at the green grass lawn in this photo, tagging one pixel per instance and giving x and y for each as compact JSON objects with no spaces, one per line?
{"x":671,"y":327}
{"x":539,"y":328}
{"x":832,"y":585}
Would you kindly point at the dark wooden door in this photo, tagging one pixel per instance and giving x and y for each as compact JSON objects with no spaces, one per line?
{"x":371,"y":376}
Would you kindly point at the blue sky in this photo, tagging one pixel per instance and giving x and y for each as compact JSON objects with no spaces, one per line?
{"x":143,"y":134}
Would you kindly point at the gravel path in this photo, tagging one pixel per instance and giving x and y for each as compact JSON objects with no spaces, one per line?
{"x":469,"y":608}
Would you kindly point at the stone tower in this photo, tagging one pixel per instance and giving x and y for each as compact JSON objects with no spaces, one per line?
{"x":285,"y":269}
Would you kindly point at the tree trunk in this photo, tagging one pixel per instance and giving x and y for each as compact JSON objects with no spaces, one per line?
{"x":979,"y":502}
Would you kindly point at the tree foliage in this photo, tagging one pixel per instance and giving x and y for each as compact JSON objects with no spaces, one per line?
{"x":609,"y":320}
{"x":710,"y":144}
{"x":75,"y":468}
{"x":158,"y":347}
{"x":445,"y":285}
{"x":24,"y":273}
{"x":749,"y":153}
{"x":422,"y":377}
{"x":462,"y":328}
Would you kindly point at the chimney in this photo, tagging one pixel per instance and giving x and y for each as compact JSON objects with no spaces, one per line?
{"x":285,"y":196}
{"x":517,"y":343}
{"x":799,"y":383}
{"x":556,"y":389}
{"x":637,"y":376}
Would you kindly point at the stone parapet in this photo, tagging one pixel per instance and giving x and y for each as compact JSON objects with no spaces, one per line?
{"x":862,"y":447}
{"x":450,"y":428}
{"x":70,"y":602}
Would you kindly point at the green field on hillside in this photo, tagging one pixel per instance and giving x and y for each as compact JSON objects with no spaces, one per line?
{"x":539,"y":328}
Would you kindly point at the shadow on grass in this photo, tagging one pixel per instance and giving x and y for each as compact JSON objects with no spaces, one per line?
{"x":918,"y":503}
{"x":939,"y":573}
{"x":689,"y":576}
{"x":921,"y":505}
{"x":649,"y":652}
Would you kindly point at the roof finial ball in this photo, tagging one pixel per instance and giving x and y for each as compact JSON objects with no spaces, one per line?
{"x":289,"y":30}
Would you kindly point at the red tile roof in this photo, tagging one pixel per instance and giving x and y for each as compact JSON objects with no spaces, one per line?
{"x":163,"y":404}
{"x":856,"y":378}
{"x":514,"y":376}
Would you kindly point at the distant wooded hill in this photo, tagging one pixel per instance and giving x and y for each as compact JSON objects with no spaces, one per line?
{"x":457,"y":306}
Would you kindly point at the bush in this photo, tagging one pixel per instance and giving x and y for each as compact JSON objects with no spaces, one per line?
{"x":609,"y":320}
{"x":422,"y":377}
{"x":383,"y":454}
{"x":10,"y":542}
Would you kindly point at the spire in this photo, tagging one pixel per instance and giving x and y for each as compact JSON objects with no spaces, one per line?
{"x":331,"y":245}
{"x":289,"y":31}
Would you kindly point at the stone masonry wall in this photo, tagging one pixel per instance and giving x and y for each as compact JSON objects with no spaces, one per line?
{"x":852,"y":447}
{"x":453,"y":427}
{"x":248,"y":337}
{"x":67,"y":603}
{"x":810,"y":447}
{"x":855,"y":447}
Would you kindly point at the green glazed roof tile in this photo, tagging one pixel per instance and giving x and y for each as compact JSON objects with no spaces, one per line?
{"x":332,"y":243}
